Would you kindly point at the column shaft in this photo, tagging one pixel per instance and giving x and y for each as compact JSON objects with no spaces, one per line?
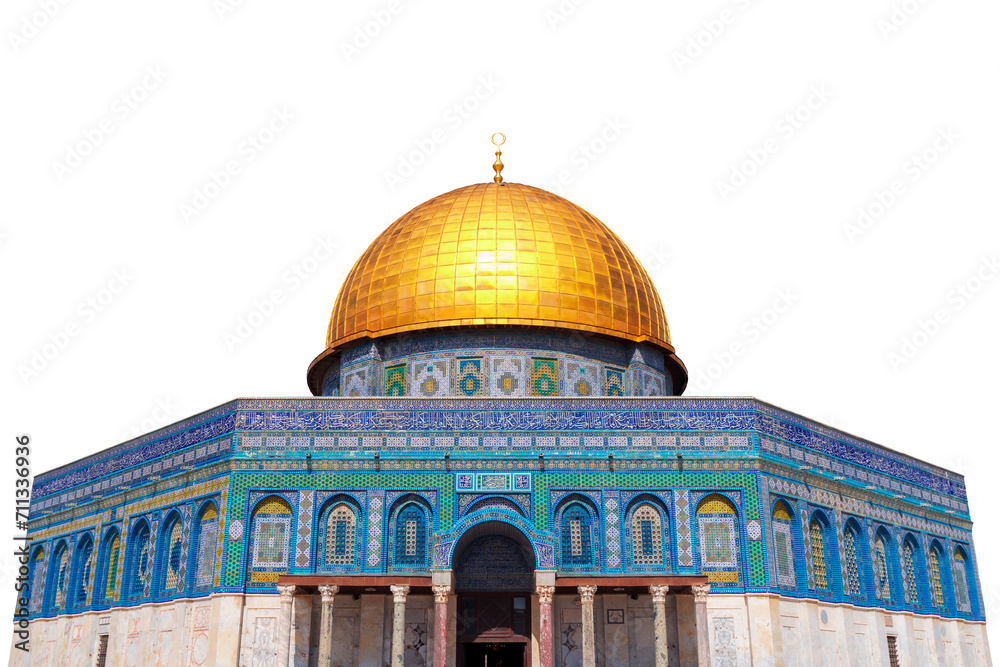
{"x":701,"y":622}
{"x":286,"y":594}
{"x":545,"y":624}
{"x":327,"y":594}
{"x":587,"y":613}
{"x":661,"y":655}
{"x":441,"y":593}
{"x":398,"y":622}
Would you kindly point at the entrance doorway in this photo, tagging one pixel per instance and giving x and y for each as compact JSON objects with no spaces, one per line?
{"x":494,"y":655}
{"x":494,"y":567}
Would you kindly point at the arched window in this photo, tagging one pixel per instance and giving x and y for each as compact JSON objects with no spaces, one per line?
{"x":817,"y":542}
{"x":36,"y":582}
{"x":937,"y":577}
{"x":852,"y":558}
{"x":205,"y":546}
{"x":270,"y":538}
{"x":138,"y":568}
{"x":170,"y":549}
{"x":881,"y":569}
{"x":339,"y":536}
{"x":576,"y":536}
{"x":647,"y":536}
{"x":410,"y":544}
{"x":82,"y":570}
{"x":718,"y":539}
{"x":109,"y":568}
{"x":784,"y":555}
{"x":60,"y":571}
{"x":962,"y":584}
{"x":910,"y":571}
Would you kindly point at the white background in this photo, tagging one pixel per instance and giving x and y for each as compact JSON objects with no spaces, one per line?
{"x":558,"y":80}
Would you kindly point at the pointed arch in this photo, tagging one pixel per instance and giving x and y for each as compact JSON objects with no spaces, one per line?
{"x":882,"y":565}
{"x":648,"y":524}
{"x":106,"y":580}
{"x":912,"y":589}
{"x":204,"y":546}
{"x":36,"y":580}
{"x":338,"y":546}
{"x":82,"y":568}
{"x":719,"y":539}
{"x":853,"y":561}
{"x":410,"y":519}
{"x":783,"y":537}
{"x":169,"y":551}
{"x":134,"y":582}
{"x":935,"y":571}
{"x":964,"y":582}
{"x":59,"y":567}
{"x":819,"y":545}
{"x":270,"y":540}
{"x":576,"y":515}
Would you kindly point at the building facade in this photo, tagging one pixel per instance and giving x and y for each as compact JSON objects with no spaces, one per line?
{"x":497,"y":468}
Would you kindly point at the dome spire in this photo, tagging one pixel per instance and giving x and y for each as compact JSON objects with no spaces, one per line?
{"x":498,"y":165}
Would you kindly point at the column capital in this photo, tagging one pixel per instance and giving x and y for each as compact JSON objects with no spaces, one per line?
{"x":586,"y":593}
{"x":286,"y":592}
{"x":441,"y":593}
{"x":659,"y":593}
{"x":399,"y":592}
{"x":327,"y":592}
{"x":700,"y":592}
{"x":545,"y":593}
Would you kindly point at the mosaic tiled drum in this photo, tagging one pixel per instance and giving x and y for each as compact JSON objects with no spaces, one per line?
{"x":498,"y":468}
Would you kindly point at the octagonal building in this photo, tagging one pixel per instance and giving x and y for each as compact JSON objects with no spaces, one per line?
{"x":497,"y":469}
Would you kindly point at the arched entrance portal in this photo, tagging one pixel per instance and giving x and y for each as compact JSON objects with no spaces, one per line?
{"x":493,"y":565}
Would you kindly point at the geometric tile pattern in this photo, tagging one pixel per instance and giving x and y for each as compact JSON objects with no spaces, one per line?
{"x":376,"y":498}
{"x":544,"y":378}
{"x":612,"y":529}
{"x":508,"y":377}
{"x":582,"y":379}
{"x":682,"y":515}
{"x":395,"y":381}
{"x":614,"y":382}
{"x":430,"y":379}
{"x":303,"y":537}
{"x":470,"y":379}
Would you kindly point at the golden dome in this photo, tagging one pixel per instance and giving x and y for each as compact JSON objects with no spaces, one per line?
{"x":498,"y":255}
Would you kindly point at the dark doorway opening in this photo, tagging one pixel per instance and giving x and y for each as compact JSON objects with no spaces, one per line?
{"x":494,"y":655}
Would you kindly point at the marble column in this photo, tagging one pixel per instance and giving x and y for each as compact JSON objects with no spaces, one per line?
{"x":701,"y":622}
{"x":286,"y":595}
{"x":587,"y":613}
{"x":659,"y":594}
{"x":327,"y":593}
{"x":441,"y":594}
{"x":545,"y":594}
{"x":398,"y":622}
